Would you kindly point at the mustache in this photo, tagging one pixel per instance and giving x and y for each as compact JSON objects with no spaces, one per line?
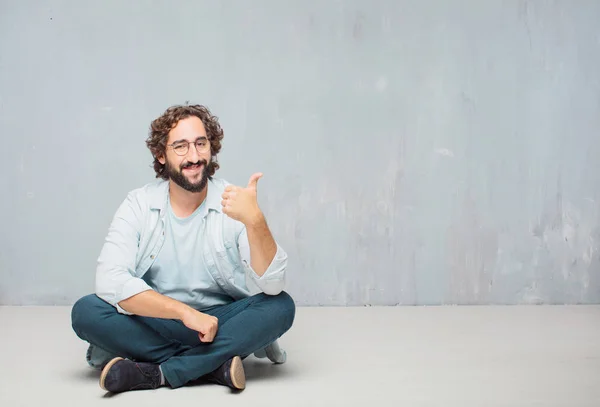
{"x":189,"y":164}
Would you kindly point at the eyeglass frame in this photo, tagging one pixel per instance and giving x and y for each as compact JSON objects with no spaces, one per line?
{"x":187,"y":145}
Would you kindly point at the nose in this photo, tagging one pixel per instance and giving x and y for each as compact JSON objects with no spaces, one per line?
{"x":192,"y":154}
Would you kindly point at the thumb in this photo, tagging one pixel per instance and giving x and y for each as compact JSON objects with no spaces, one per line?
{"x":254,"y":180}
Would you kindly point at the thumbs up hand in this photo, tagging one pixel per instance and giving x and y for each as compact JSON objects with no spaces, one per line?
{"x":254,"y":180}
{"x":240,"y":203}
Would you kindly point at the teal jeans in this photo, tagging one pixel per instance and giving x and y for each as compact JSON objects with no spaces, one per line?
{"x":245,"y":326}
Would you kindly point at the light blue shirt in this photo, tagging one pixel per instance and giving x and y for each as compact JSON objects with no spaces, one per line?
{"x":179,"y":271}
{"x":137,"y":236}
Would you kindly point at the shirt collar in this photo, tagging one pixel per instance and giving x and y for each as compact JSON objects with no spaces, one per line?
{"x":213,"y":197}
{"x":160,"y":195}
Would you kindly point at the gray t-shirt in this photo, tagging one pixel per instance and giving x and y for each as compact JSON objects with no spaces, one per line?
{"x":179,"y":271}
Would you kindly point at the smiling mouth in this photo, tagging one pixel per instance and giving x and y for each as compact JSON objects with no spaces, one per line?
{"x":192,"y":168}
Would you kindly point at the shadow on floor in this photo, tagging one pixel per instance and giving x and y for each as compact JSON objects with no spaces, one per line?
{"x":264,"y":370}
{"x":255,"y":369}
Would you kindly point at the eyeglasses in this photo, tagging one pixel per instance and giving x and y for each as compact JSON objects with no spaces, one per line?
{"x":182,"y":147}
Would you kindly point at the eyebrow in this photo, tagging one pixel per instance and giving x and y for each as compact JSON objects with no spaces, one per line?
{"x":184,"y":140}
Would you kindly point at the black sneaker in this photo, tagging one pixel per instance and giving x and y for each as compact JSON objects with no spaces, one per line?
{"x":123,"y":375}
{"x":230,"y":373}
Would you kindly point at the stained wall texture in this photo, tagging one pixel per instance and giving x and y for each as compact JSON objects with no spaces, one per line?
{"x":414,"y":152}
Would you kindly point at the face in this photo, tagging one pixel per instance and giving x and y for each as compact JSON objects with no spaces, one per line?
{"x":189,"y":170}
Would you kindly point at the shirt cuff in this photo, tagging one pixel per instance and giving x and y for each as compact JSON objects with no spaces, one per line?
{"x":130,"y":288}
{"x":272,"y":282}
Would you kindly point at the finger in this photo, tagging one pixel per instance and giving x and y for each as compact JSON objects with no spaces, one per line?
{"x":229,"y":195}
{"x":254,"y":180}
{"x":213,"y":333}
{"x":229,"y":188}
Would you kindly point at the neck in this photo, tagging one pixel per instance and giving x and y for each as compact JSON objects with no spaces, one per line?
{"x":184,"y":202}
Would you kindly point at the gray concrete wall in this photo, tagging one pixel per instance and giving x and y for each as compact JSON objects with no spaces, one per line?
{"x":414,"y":152}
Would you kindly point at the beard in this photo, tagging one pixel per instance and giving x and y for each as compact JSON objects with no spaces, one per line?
{"x":178,"y":177}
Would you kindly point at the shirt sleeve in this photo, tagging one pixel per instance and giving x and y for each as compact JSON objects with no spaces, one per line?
{"x":115,"y":272}
{"x":272,"y":282}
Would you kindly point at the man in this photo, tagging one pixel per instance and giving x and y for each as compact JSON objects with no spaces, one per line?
{"x":190,"y":280}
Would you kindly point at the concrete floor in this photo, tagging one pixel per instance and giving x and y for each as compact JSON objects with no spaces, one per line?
{"x":408,"y":356}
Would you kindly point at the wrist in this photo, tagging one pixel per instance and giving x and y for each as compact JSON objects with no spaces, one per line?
{"x":183,"y":311}
{"x":255,"y":220}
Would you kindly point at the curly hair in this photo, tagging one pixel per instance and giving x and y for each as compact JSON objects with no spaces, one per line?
{"x":160,"y":128}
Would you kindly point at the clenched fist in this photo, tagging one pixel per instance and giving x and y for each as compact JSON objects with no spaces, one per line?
{"x":206,"y":325}
{"x":241,"y":203}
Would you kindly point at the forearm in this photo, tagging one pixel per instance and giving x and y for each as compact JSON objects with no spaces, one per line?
{"x":152,"y":304}
{"x":262,"y":245}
